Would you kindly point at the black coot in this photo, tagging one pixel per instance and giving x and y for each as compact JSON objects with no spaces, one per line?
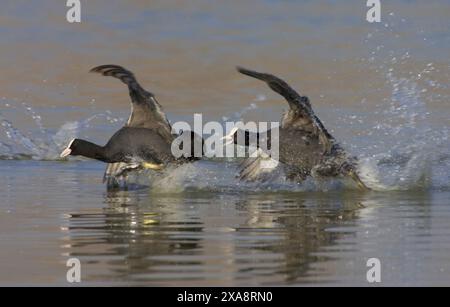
{"x":305,"y":147}
{"x":146,"y":112}
{"x":146,"y":140}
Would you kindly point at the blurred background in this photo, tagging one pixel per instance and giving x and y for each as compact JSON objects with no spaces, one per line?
{"x":185,"y":52}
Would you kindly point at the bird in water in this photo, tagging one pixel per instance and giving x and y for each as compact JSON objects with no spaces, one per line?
{"x":305,"y":147}
{"x":145,"y":141}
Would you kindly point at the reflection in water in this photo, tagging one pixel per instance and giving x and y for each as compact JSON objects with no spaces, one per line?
{"x":209,"y":240}
{"x":202,"y":237}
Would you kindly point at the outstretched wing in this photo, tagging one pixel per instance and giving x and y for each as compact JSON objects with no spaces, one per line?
{"x":300,"y":115}
{"x":146,"y":112}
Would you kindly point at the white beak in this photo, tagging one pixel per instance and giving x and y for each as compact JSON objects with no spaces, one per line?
{"x":66,"y":152}
{"x":229,"y":138}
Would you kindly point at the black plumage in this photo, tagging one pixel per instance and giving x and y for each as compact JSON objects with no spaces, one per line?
{"x":137,"y":147}
{"x":145,"y":142}
{"x":146,"y":112}
{"x":128,"y":145}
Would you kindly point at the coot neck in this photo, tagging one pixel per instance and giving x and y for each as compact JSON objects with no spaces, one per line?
{"x":93,"y":151}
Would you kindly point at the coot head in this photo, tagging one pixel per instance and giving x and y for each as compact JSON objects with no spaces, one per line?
{"x":73,"y":149}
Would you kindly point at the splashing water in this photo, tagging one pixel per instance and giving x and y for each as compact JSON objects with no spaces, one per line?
{"x":45,"y":146}
{"x":406,"y":150}
{"x":403,"y":151}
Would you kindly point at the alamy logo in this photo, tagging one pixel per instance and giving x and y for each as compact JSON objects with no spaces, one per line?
{"x":74,"y":273}
{"x":256,"y":139}
{"x":74,"y":12}
{"x":374,"y":13}
{"x":374,"y":273}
